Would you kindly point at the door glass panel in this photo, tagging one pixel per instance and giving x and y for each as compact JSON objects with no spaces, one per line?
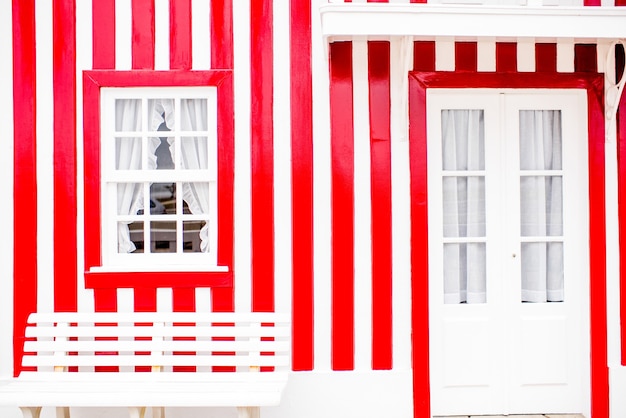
{"x":541,"y":206}
{"x":464,"y":230}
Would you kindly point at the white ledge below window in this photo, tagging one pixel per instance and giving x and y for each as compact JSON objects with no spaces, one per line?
{"x":349,"y":21}
{"x":159,"y":268}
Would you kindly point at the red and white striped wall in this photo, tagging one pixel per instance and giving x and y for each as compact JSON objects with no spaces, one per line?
{"x":321,"y":188}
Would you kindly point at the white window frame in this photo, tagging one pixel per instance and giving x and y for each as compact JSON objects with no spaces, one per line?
{"x":112,"y":260}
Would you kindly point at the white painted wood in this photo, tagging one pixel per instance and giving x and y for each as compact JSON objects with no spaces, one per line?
{"x":362,"y":251}
{"x":282,"y":159}
{"x":242,"y":227}
{"x":444,"y":54}
{"x":123,"y":34}
{"x":31,"y":412}
{"x":341,"y":21}
{"x":161,"y":35}
{"x":565,"y":55}
{"x":6,"y":189}
{"x":486,"y":54}
{"x":526,"y":55}
{"x":525,"y":357}
{"x":249,"y":412}
{"x":62,"y":412}
{"x":45,"y":155}
{"x":201,"y":35}
{"x":321,"y":201}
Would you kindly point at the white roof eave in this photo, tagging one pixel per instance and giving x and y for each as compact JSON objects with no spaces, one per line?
{"x":349,"y":21}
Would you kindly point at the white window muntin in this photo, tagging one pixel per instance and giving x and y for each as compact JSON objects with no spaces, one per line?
{"x":110,"y":178}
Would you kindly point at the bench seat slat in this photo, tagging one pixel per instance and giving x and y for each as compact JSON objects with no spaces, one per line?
{"x":154,"y":360}
{"x":148,"y":331}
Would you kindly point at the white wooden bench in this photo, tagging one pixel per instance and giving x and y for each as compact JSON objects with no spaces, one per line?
{"x":141,"y":360}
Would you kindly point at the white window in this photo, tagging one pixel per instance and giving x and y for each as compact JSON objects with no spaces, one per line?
{"x":159,"y":178}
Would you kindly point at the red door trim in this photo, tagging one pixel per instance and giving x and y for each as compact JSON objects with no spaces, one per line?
{"x":419,"y":82}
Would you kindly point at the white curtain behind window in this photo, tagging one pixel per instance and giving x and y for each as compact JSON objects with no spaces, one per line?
{"x":463,"y":206}
{"x":541,"y":206}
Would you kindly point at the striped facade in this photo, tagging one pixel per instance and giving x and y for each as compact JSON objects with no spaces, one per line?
{"x":322,"y":195}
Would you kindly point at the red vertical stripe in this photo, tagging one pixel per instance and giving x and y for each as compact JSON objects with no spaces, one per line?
{"x":103,"y":34}
{"x":545,"y":58}
{"x":419,"y":249}
{"x":262,"y":135}
{"x":180,"y":34}
{"x":585,"y":58}
{"x":222,"y":299}
{"x":506,"y":57}
{"x":342,"y":211}
{"x":620,"y":2}
{"x":302,"y":184}
{"x":25,"y":173}
{"x":143,"y":34}
{"x":620,"y":60}
{"x":380,"y":154}
{"x":593,"y":3}
{"x":466,"y":56}
{"x":65,"y":199}
{"x":424,"y":56}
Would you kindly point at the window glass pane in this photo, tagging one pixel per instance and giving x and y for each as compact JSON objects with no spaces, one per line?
{"x":542,"y":272}
{"x":162,"y":153}
{"x":194,"y":153}
{"x":163,"y":198}
{"x":196,"y":195}
{"x":193,"y":114}
{"x":136,"y":237}
{"x":463,"y":139}
{"x":161,"y":114}
{"x":128,"y":117}
{"x":163,"y":237}
{"x":464,"y":272}
{"x":540,"y":140}
{"x":191,"y":235}
{"x":129,"y":198}
{"x":464,"y":206}
{"x":541,"y":206}
{"x":128,"y":153}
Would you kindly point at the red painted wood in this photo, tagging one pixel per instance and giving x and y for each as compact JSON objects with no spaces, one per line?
{"x":25,"y":173}
{"x":419,"y":248}
{"x":262,"y":160}
{"x":222,"y":299}
{"x":594,"y":85}
{"x":545,"y":58}
{"x":143,"y":34}
{"x":506,"y":57}
{"x":92,"y":82}
{"x":103,"y":34}
{"x":419,"y":1}
{"x":380,"y":178}
{"x":586,"y":58}
{"x":301,"y":185}
{"x":620,"y":2}
{"x":104,"y":280}
{"x":466,"y":56}
{"x":621,"y":167}
{"x":105,"y":300}
{"x":180,"y":35}
{"x":342,"y":210}
{"x":424,"y":56}
{"x":593,"y":3}
{"x":65,"y":198}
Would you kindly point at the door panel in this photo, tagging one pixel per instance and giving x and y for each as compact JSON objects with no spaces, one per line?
{"x":508,"y":256}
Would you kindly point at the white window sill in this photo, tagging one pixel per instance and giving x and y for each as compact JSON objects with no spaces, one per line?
{"x":159,"y":268}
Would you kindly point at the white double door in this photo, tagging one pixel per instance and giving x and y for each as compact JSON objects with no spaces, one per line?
{"x":508,"y":251}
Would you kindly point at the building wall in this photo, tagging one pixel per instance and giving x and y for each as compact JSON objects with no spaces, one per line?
{"x":321,"y":179}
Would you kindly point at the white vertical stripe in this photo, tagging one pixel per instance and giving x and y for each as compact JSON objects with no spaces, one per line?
{"x":6,"y":191}
{"x":362,"y":210}
{"x":203,"y":299}
{"x":400,"y":215}
{"x":123,"y":34}
{"x":486,"y":60}
{"x":321,"y":192}
{"x":565,"y":55}
{"x":45,"y":149}
{"x":162,"y":35}
{"x":84,"y":54}
{"x":282,"y":159}
{"x":444,"y":54}
{"x":201,"y":34}
{"x":526,"y":55}
{"x":125,"y":300}
{"x":243,"y":259}
{"x":602,"y":50}
{"x":165,"y":299}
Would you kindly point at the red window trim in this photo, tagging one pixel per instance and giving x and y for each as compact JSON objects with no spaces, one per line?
{"x":593,"y":83}
{"x":93,"y":81}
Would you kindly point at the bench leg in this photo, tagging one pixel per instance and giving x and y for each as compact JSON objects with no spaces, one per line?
{"x":136,"y":411}
{"x":30,"y":411}
{"x":249,"y":412}
{"x":63,"y":412}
